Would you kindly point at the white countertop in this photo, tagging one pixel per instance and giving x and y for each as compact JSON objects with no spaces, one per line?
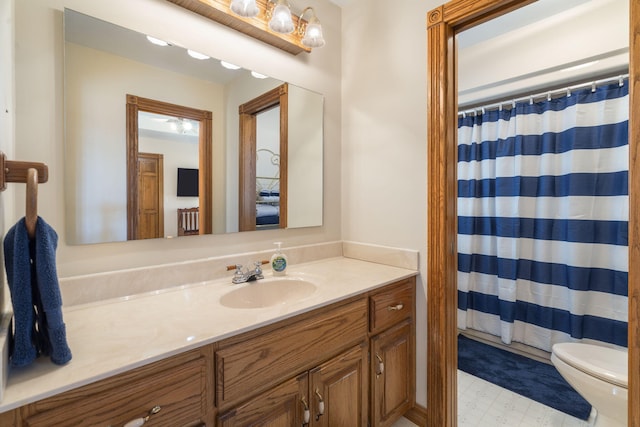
{"x":114,"y":336}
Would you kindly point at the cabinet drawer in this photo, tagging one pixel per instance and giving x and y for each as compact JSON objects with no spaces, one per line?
{"x":392,"y":305}
{"x":253,"y":365}
{"x":179,"y":392}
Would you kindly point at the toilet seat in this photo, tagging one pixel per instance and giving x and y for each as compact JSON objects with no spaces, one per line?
{"x":607,"y":364}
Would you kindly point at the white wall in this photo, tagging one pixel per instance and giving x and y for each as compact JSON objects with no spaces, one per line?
{"x":7,"y":119}
{"x":39,"y":118}
{"x":384,"y":134}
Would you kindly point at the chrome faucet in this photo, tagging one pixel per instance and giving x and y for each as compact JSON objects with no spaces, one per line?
{"x":248,"y":275}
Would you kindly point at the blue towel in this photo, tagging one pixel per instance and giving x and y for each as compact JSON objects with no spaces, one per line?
{"x":35,"y":295}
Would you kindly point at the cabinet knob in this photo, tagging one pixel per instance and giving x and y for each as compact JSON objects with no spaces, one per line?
{"x":396,"y":307}
{"x":141,"y":421}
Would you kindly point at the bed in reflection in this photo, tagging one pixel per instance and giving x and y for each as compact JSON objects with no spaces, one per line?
{"x":267,"y":189}
{"x":268,"y":209}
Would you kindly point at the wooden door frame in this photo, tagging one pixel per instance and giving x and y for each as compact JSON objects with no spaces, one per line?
{"x":136,"y":104}
{"x":248,"y":112}
{"x":442,"y":25}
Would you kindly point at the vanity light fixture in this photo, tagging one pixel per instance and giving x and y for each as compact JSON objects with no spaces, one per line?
{"x":273,"y":23}
{"x":245,"y":8}
{"x":280,"y":20}
{"x":313,"y":31}
{"x":197,"y":55}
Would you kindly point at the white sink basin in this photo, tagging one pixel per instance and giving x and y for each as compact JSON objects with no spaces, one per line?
{"x":268,"y":292}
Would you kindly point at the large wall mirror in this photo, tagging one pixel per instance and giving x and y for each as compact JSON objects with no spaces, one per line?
{"x":134,"y":170}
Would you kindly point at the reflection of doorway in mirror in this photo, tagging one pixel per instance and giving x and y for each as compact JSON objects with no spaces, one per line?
{"x":264,"y":138}
{"x":182,"y":135}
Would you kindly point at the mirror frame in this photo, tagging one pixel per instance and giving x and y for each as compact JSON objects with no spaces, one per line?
{"x":136,"y":104}
{"x":442,"y":25}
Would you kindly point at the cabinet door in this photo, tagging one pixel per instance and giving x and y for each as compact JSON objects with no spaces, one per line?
{"x":338,"y":390}
{"x":392,"y":374}
{"x":282,"y":406}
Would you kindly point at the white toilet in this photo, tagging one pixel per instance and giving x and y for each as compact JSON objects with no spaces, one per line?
{"x":600,"y":375}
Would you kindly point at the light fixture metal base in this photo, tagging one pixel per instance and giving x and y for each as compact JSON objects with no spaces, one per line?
{"x":257,"y":27}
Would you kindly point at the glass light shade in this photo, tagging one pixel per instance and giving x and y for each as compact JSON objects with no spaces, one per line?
{"x":281,"y":20}
{"x":313,"y":34}
{"x":246,"y":8}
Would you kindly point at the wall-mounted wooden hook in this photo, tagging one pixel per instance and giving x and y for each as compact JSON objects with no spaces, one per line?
{"x":15,"y":171}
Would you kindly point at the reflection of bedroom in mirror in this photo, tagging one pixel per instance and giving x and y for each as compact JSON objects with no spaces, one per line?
{"x":102,"y":63}
{"x":167,"y":146}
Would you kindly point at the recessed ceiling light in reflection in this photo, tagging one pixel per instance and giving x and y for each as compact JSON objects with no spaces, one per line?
{"x":258,"y":75}
{"x":197,"y":55}
{"x":229,"y":65}
{"x":157,"y":42}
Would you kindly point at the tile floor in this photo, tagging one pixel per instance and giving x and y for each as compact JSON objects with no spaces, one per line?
{"x":482,"y":404}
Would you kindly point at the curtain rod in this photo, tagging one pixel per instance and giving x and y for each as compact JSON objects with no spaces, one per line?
{"x":548,"y":94}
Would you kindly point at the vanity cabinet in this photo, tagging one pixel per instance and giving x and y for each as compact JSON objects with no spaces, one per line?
{"x":348,"y":364}
{"x":331,"y":394}
{"x":176,"y":387}
{"x":392,"y":357}
{"x":316,"y":365}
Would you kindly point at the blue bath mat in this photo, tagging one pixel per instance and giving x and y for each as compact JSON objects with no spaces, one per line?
{"x":527,"y":377}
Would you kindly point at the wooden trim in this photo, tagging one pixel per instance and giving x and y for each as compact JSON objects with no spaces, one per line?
{"x":247,"y":180}
{"x":441,"y":226}
{"x":284,"y":154}
{"x":442,"y":24}
{"x":136,"y":104}
{"x":258,"y":27}
{"x":417,"y":415}
{"x":634,"y":214}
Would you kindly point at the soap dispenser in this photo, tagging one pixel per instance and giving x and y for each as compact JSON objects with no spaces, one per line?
{"x":279,"y":261}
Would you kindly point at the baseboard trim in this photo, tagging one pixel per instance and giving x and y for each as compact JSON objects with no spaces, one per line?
{"x":417,"y":415}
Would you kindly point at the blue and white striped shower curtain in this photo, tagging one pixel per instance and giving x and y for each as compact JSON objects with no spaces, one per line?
{"x":543,"y":219}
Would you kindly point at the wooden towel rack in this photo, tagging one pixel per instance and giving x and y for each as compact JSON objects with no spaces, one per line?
{"x":30,"y":173}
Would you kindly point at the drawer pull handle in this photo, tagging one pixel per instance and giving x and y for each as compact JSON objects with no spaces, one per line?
{"x":141,"y":421}
{"x":380,"y":370}
{"x":306,"y":414}
{"x":320,"y":405}
{"x":396,"y":307}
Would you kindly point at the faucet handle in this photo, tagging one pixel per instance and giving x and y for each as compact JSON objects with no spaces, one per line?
{"x":238,"y":272}
{"x":258,"y":269}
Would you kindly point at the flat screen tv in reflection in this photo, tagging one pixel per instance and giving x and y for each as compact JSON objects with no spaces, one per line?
{"x":187,"y":182}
